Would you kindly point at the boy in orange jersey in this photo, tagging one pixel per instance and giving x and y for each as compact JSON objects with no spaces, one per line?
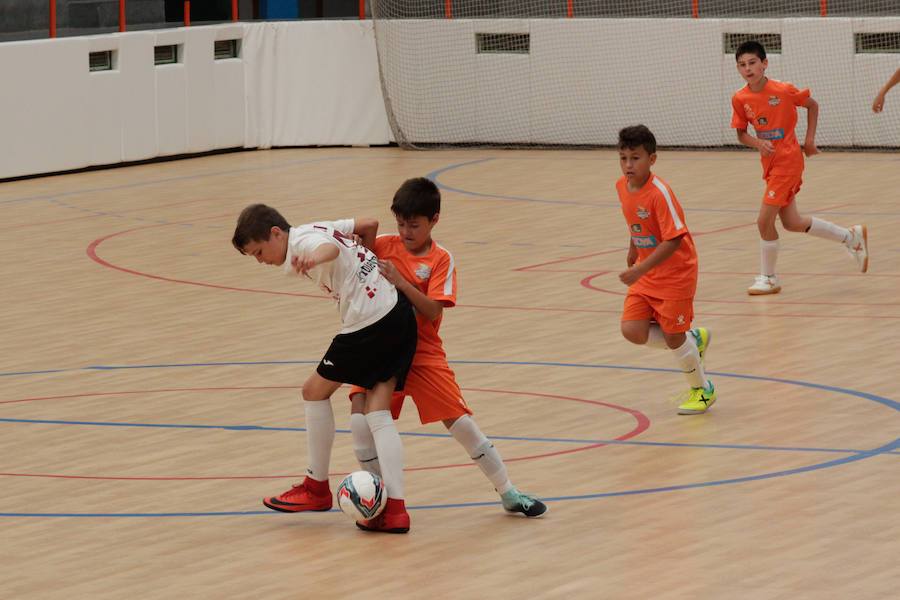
{"x":662,"y":268}
{"x":771,"y":107}
{"x":426,"y":274}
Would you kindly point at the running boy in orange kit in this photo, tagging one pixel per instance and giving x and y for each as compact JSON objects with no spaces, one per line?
{"x":771,"y":107}
{"x":662,"y":268}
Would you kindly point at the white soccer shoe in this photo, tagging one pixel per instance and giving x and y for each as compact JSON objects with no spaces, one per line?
{"x":764,"y":284}
{"x":858,"y":246}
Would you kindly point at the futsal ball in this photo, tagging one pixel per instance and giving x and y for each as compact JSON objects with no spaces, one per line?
{"x":361,"y":495}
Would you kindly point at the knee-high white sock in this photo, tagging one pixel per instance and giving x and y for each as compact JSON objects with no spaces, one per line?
{"x":319,"y":437}
{"x":827,"y":230}
{"x":482,"y":451}
{"x":655,"y":337}
{"x":390,"y":451}
{"x":364,"y":444}
{"x":768,"y":256}
{"x":689,"y":359}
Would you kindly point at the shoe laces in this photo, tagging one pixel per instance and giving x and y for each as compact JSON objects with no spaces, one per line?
{"x":520,"y":499}
{"x":298,"y":489}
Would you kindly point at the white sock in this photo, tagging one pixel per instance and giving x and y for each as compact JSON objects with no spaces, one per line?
{"x":319,"y":437}
{"x":390,"y":451}
{"x":689,"y":359}
{"x":768,"y":256}
{"x":655,"y":337}
{"x":482,"y":451}
{"x":828,"y":231}
{"x":364,"y":444}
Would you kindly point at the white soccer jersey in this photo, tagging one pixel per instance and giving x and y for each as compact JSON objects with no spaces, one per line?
{"x":363,"y":296}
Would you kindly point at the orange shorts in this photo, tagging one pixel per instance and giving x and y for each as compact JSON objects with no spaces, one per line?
{"x":781,"y":189}
{"x":434,"y":390}
{"x":673,"y":316}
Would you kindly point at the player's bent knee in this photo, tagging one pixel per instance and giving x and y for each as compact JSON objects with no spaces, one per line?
{"x":635,"y":336}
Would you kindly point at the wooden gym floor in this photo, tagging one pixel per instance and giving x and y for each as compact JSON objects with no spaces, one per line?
{"x":150,"y":388}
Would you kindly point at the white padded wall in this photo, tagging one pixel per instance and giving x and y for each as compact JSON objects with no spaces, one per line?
{"x":198,"y":61}
{"x":316,"y":83}
{"x":138,"y":95}
{"x":503,"y":84}
{"x":228,"y":94}
{"x":433,"y":96}
{"x":104,"y":106}
{"x":43,"y":106}
{"x":171,"y":98}
{"x":818,"y":54}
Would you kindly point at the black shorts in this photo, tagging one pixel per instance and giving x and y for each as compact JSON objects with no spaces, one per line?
{"x":375,"y":353}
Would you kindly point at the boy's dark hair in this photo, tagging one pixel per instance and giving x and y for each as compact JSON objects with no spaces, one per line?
{"x":417,"y":197}
{"x":255,"y":224}
{"x":750,"y":47}
{"x":637,"y":136}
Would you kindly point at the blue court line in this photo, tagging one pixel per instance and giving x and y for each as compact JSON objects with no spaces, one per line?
{"x":855,"y":457}
{"x":435,"y":177}
{"x":505,"y":438}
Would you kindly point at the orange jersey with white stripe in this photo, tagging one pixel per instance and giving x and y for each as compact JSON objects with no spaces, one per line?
{"x":435,"y":276}
{"x":773,"y":114}
{"x":653,"y":216}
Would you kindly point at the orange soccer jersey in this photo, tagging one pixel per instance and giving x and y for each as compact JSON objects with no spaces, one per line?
{"x":773,"y":114}
{"x":654,"y":215}
{"x":431,"y":382}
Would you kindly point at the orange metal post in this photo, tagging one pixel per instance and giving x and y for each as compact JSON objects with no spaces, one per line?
{"x":121,"y":15}
{"x":234,"y":10}
{"x":823,"y":8}
{"x":570,"y":8}
{"x":362,"y":9}
{"x":187,"y":13}
{"x":448,"y":9}
{"x":53,"y":18}
{"x":695,"y":9}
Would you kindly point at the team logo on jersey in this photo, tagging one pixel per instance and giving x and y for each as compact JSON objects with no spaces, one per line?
{"x":642,"y":212}
{"x":771,"y":193}
{"x":680,"y":319}
{"x":748,"y":110}
{"x":762,"y":121}
{"x":774,"y":100}
{"x":423,"y":271}
{"x":636,"y":228}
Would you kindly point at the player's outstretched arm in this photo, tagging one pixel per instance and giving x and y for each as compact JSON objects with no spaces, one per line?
{"x":812,"y":121}
{"x":367,"y":229}
{"x":878,"y":103}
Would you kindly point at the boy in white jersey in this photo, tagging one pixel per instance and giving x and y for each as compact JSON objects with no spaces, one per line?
{"x":374,"y":348}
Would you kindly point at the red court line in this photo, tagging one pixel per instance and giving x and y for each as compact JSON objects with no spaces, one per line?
{"x":623,"y":249}
{"x":92,"y":253}
{"x":587,"y":282}
{"x":643,"y":423}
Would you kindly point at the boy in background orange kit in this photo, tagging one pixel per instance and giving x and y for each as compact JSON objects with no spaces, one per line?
{"x":425,"y":273}
{"x":662,"y":268}
{"x":771,"y":107}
